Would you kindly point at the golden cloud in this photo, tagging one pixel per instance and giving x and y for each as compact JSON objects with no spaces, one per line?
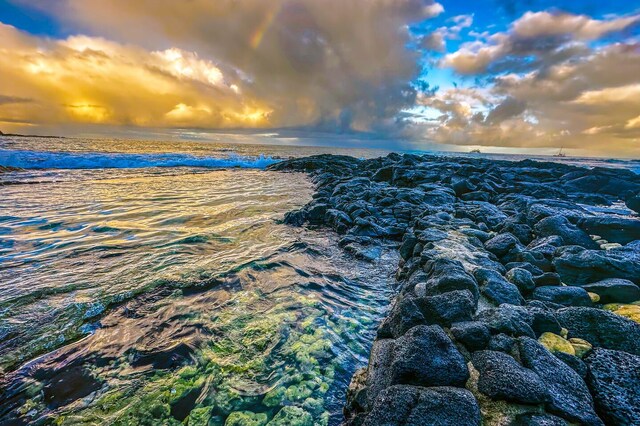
{"x":95,"y":81}
{"x":259,"y":63}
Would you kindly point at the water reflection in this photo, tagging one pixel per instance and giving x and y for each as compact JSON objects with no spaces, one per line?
{"x":200,"y":307}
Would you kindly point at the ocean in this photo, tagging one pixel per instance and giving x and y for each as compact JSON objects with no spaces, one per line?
{"x":146,"y":282}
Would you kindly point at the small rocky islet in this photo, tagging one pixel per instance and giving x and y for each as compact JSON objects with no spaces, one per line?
{"x":517,"y":298}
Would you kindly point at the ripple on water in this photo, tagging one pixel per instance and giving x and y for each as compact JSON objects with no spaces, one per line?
{"x":220,"y":316}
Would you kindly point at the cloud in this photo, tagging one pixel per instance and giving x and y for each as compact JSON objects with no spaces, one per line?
{"x":90,"y":80}
{"x":296,"y":62}
{"x":4,"y":100}
{"x":588,"y":103}
{"x":508,"y":108}
{"x":581,"y":27}
{"x":534,"y":40}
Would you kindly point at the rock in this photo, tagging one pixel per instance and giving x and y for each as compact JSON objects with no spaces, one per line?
{"x":295,"y":218}
{"x":546,"y":245}
{"x":508,"y":319}
{"x":68,"y":385}
{"x":502,"y":244}
{"x":338,"y":220}
{"x":575,"y":363}
{"x":544,"y":319}
{"x":524,"y":265}
{"x":554,"y":343}
{"x":547,"y":279}
{"x":316,"y":212}
{"x":501,"y":377}
{"x":291,"y":416}
{"x":378,"y":377}
{"x":614,"y":290}
{"x":409,"y":242}
{"x":446,"y":275}
{"x":462,"y":186}
{"x":633,"y":202}
{"x":578,"y":266}
{"x":246,"y":418}
{"x":521,"y":231}
{"x":615,"y":229}
{"x":447,"y":308}
{"x":473,"y":335}
{"x":522,"y":279}
{"x":614,"y":381}
{"x":417,"y":406}
{"x":567,"y":296}
{"x":502,"y":343}
{"x":404,"y":315}
{"x":384,"y":174}
{"x":560,"y":226}
{"x":537,"y":419}
{"x":580,"y":346}
{"x":601,"y":328}
{"x":425,"y":356}
{"x":569,"y":397}
{"x":476,"y":196}
{"x":496,"y":288}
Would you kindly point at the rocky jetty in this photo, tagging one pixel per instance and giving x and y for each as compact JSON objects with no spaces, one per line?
{"x":517,"y":289}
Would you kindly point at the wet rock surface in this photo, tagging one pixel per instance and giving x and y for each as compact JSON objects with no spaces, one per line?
{"x":504,"y":271}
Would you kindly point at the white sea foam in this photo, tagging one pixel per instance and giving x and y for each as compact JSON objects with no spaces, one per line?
{"x":101,"y":160}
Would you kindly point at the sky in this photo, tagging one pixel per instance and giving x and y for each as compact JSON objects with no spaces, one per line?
{"x":498,"y":75}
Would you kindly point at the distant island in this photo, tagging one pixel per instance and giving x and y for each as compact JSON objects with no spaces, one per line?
{"x":30,"y":136}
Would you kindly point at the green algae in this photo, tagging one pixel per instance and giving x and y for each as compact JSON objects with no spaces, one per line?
{"x":270,"y":368}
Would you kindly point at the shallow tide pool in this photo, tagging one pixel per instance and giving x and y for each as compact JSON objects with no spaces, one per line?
{"x":165,"y":296}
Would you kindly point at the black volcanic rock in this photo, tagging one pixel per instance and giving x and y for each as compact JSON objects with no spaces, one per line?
{"x":614,"y":381}
{"x":601,"y":328}
{"x":567,"y":296}
{"x":496,"y":288}
{"x":615,"y":229}
{"x":426,"y":356}
{"x":560,"y":226}
{"x":569,"y":397}
{"x":447,"y":308}
{"x":502,"y":378}
{"x":615,"y":290}
{"x":537,"y":419}
{"x":578,"y":266}
{"x":417,"y":406}
{"x":508,"y":319}
{"x":473,"y":335}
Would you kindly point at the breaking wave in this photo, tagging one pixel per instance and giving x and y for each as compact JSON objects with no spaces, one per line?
{"x":98,"y":160}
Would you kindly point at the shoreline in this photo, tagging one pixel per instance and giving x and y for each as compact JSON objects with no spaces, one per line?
{"x":515,"y":300}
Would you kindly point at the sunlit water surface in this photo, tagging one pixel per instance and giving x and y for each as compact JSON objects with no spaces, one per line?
{"x":164,"y":295}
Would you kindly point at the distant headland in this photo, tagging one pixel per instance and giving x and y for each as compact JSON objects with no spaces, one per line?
{"x":30,"y":136}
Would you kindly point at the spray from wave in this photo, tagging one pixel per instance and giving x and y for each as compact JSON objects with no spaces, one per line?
{"x":96,"y":160}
